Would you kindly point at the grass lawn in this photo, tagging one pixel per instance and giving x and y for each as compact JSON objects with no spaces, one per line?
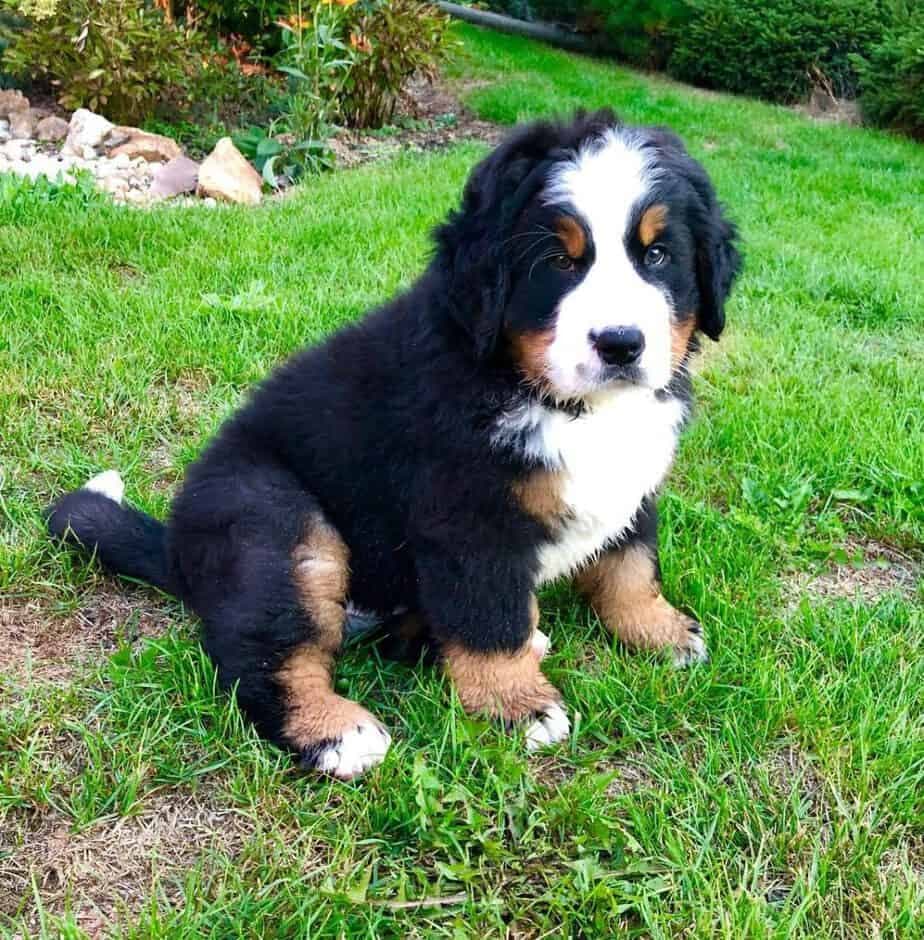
{"x":776,"y":792}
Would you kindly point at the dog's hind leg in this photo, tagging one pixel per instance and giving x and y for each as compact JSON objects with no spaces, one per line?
{"x":269,"y":575}
{"x":332,"y":733}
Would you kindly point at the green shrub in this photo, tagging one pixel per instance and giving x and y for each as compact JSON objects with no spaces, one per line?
{"x":892,"y":76}
{"x":118,"y":57}
{"x":776,"y":48}
{"x":392,"y":40}
{"x":251,"y":19}
{"x":641,"y":30}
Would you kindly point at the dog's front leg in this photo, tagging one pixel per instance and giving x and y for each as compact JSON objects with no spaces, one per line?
{"x":623,"y":586}
{"x":484,"y":617}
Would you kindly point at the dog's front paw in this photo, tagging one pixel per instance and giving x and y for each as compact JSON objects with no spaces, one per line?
{"x":551,"y":726}
{"x":354,"y":752}
{"x":692,"y":648}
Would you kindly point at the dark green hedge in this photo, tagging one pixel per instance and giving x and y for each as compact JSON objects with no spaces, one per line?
{"x":776,"y":49}
{"x":892,"y":76}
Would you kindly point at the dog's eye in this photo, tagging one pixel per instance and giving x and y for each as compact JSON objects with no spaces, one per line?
{"x":656,"y":256}
{"x":563,"y":262}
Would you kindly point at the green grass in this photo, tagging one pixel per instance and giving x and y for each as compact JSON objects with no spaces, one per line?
{"x":776,"y":792}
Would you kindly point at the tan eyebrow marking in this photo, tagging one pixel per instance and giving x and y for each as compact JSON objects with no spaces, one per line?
{"x":572,"y":235}
{"x":652,"y":223}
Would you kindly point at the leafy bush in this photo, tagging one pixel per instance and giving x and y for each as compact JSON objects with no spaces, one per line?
{"x":892,"y":76}
{"x":246,"y":18}
{"x":115,"y":56}
{"x":774,"y":48}
{"x":392,"y":40}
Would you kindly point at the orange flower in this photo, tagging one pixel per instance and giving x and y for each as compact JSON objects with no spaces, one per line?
{"x":295,"y":23}
{"x":360,"y":42}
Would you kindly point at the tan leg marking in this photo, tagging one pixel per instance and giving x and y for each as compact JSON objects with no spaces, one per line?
{"x":624,"y":591}
{"x":652,"y":223}
{"x":315,"y":713}
{"x":321,"y":572}
{"x":509,"y":686}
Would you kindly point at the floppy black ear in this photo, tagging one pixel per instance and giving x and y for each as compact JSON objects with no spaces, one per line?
{"x":718,"y":260}
{"x":717,"y":264}
{"x":473,"y":250}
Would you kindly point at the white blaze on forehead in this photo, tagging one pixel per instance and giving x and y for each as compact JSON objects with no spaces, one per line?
{"x":605,"y":183}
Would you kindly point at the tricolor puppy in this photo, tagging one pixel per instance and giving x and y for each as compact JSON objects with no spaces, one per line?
{"x":505,"y":422}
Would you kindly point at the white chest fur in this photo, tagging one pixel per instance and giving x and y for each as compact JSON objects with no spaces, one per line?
{"x":610,"y":459}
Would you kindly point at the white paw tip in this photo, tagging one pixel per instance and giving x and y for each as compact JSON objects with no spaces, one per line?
{"x":357,"y":750}
{"x":540,"y":643}
{"x":551,"y":728}
{"x":108,"y":484}
{"x":693,"y":651}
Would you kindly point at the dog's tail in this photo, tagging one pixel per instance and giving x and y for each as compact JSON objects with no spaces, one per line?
{"x":125,"y":540}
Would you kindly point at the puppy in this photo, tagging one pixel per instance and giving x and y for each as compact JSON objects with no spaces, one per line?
{"x":505,"y":422}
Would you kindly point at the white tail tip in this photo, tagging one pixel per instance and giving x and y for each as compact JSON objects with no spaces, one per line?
{"x":108,"y":484}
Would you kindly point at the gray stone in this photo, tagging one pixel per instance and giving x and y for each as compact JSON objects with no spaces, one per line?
{"x":12,"y":101}
{"x":51,"y":129}
{"x":22,"y":125}
{"x":86,"y":131}
{"x":4,"y":130}
{"x":178,"y":176}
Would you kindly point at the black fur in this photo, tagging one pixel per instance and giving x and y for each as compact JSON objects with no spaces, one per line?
{"x":384,"y":429}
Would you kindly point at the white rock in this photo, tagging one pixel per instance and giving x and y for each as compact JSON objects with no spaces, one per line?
{"x":18,"y":150}
{"x":4,"y":130}
{"x":86,"y":131}
{"x":113,"y":185}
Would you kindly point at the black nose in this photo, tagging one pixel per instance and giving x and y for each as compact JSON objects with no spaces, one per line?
{"x":619,"y":345}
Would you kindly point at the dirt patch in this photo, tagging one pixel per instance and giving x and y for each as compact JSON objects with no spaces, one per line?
{"x":631,"y":777}
{"x":430,"y":116}
{"x":41,"y":642}
{"x":824,"y":105}
{"x":904,"y":863}
{"x":109,"y":870}
{"x":791,"y":773}
{"x":873,"y":571}
{"x":789,"y":769}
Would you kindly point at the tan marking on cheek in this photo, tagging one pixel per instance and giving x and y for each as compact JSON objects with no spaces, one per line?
{"x":572,"y":236}
{"x":623,"y":589}
{"x":321,"y":574}
{"x":540,"y":495}
{"x":530,"y":353}
{"x":681,"y":335}
{"x":652,"y":223}
{"x":509,"y":686}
